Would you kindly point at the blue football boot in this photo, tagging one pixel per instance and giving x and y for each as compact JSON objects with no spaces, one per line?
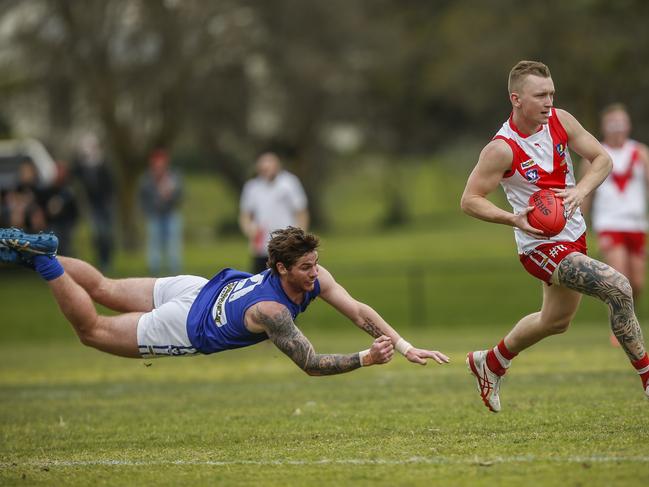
{"x":11,"y":256}
{"x":29,"y":243}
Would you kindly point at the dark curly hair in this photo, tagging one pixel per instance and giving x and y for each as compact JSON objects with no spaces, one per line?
{"x":288,"y":245}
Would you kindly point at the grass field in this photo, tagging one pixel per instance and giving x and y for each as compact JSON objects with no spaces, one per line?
{"x":573,"y":410}
{"x":573,"y":415}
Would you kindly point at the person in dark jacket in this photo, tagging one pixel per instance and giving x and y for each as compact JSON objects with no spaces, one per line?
{"x":91,"y":169}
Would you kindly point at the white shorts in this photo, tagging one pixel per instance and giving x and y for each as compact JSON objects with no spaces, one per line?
{"x":163,"y":331}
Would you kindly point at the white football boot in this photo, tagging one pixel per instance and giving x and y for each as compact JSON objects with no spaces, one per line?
{"x":488,"y":382}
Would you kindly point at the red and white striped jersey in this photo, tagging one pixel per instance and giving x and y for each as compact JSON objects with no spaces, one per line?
{"x":620,"y":202}
{"x":541,"y":161}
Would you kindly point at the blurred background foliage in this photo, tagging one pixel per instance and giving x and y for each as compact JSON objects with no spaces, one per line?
{"x":329,"y":85}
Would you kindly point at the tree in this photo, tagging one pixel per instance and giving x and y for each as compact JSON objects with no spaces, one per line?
{"x":131,"y":63}
{"x":234,"y":77}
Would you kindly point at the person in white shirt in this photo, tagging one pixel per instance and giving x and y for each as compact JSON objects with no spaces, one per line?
{"x":273,"y":200}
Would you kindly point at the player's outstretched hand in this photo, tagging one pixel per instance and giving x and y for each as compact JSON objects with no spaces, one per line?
{"x":419,"y":356}
{"x":381,"y":350}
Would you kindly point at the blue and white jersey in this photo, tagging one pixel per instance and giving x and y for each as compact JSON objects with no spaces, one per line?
{"x":216,"y":318}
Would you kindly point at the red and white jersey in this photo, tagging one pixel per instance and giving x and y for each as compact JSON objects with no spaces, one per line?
{"x":620,"y":202}
{"x":541,"y":161}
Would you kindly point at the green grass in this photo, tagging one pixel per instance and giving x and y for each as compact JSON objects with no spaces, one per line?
{"x":573,"y":412}
{"x":72,"y":416}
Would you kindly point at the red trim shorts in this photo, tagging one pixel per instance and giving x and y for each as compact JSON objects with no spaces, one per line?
{"x":544,"y":259}
{"x":634,"y":242}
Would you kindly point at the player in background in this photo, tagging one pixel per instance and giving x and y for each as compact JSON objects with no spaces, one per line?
{"x":187,"y":315}
{"x":618,"y":207}
{"x":530,"y":152}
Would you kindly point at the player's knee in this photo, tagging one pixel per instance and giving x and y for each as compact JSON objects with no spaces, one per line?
{"x":87,"y":339}
{"x":623,"y":287}
{"x":88,"y":335}
{"x":100,"y":291}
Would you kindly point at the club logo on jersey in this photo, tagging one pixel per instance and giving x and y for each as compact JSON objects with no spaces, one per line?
{"x":528,"y":163}
{"x":561,"y":150}
{"x":532,"y":175}
{"x":220,"y":302}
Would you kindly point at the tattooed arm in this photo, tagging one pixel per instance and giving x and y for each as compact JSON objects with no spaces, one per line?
{"x":359,"y":313}
{"x":366,"y":318}
{"x":277,"y":322}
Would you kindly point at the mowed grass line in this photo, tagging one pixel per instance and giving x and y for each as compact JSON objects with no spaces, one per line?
{"x":571,"y":406}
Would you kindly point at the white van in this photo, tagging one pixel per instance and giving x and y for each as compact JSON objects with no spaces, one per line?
{"x":14,"y":151}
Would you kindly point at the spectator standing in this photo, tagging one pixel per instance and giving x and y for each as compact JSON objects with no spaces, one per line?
{"x":160,"y":196}
{"x":61,"y":210}
{"x":21,"y":206}
{"x":273,"y":200}
{"x":91,"y":169}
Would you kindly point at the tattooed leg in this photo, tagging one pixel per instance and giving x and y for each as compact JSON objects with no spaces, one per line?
{"x":589,"y":276}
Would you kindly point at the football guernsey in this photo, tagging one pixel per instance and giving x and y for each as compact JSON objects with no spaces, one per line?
{"x":620,"y":202}
{"x":216,"y":318}
{"x":540,"y":161}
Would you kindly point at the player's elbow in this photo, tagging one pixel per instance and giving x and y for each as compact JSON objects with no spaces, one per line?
{"x":316,"y":367}
{"x":466,"y":204}
{"x":311,"y":372}
{"x":309,"y":367}
{"x":603,"y":164}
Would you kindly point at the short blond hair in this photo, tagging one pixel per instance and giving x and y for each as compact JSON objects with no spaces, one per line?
{"x":524,"y":68}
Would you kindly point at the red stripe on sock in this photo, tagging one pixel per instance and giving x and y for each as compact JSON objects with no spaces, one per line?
{"x":642,"y":363}
{"x":502,"y":348}
{"x":494,"y":364}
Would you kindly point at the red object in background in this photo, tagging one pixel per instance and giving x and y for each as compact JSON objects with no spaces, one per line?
{"x":259,"y":243}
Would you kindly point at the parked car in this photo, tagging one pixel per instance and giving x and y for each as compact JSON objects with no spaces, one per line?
{"x":15,"y":151}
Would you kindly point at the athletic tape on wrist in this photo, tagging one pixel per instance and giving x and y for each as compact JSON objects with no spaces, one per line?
{"x":362,"y":354}
{"x":403,"y":346}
